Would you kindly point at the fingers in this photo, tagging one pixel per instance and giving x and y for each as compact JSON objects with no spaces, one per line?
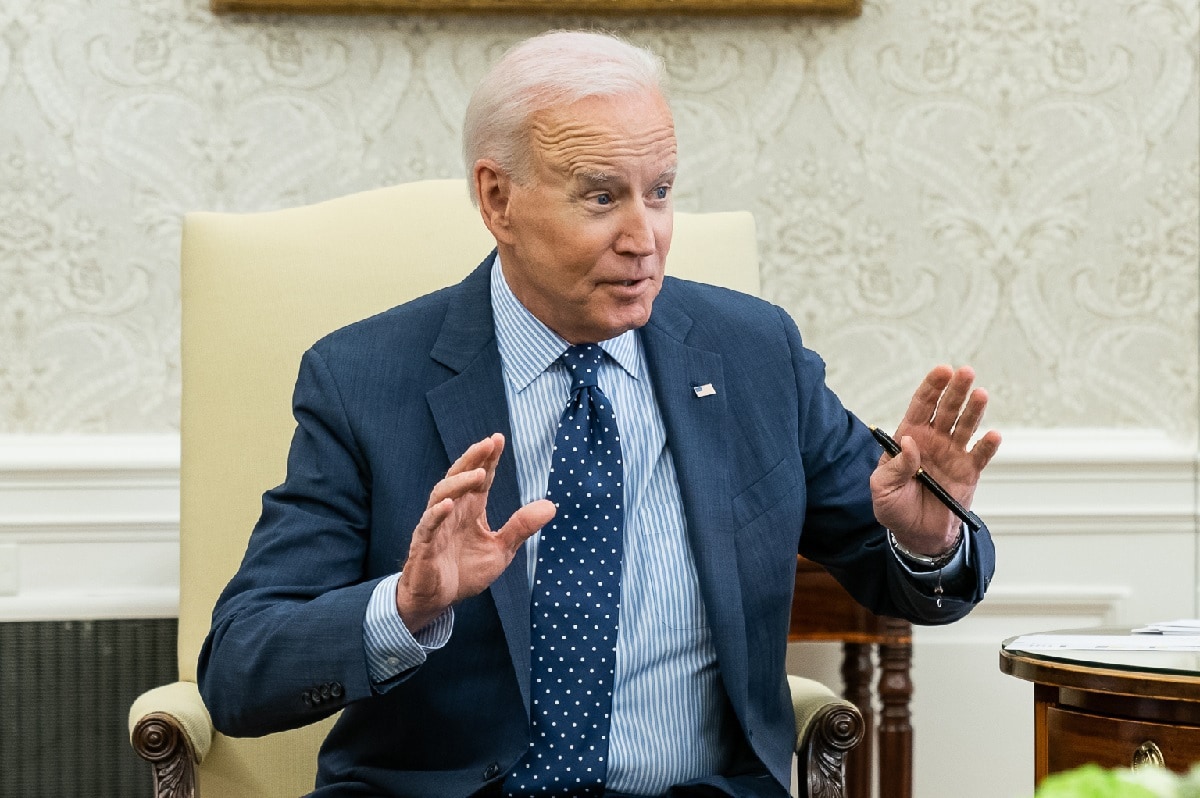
{"x":458,"y":485}
{"x":970,"y":417}
{"x":433,"y":517}
{"x":950,"y":405}
{"x":526,"y":521}
{"x":895,"y":472}
{"x":473,"y":470}
{"x":481,"y":454}
{"x":925,"y":400}
{"x":946,"y":402}
{"x":493,"y":459}
{"x":985,"y":449}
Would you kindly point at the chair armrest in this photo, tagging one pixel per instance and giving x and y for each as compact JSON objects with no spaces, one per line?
{"x":827,"y":728}
{"x":170,"y":728}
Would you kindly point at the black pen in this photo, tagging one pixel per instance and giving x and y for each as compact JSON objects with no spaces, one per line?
{"x":891,"y":447}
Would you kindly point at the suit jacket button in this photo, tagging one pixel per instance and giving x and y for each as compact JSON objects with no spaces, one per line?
{"x":491,"y":771}
{"x":306,"y":697}
{"x":325,"y":691}
{"x":336,"y":690}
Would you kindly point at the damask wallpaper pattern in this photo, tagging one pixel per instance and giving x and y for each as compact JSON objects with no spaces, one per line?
{"x":1010,"y":183}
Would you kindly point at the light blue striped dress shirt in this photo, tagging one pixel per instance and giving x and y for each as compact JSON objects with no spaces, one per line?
{"x":670,"y":721}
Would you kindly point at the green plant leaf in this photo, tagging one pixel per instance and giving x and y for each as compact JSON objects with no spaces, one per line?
{"x":1093,"y":781}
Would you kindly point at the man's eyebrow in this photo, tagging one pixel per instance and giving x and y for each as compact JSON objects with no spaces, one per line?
{"x":593,"y":179}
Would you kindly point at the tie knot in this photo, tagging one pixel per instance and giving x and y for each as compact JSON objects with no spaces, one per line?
{"x":583,"y":361}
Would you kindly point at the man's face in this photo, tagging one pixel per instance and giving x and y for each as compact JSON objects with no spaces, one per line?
{"x":585,"y":241}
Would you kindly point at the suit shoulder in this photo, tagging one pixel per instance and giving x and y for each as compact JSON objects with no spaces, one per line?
{"x":716,"y":304}
{"x":414,"y":320}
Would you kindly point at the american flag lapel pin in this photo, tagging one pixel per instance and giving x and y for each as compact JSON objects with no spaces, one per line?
{"x":706,"y":389}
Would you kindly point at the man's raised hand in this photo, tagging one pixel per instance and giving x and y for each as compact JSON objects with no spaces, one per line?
{"x":454,"y":553}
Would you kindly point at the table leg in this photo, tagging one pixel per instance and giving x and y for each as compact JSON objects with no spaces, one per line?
{"x":856,"y":676}
{"x":1044,"y":697}
{"x":895,"y":726}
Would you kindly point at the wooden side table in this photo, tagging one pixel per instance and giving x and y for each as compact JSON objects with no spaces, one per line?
{"x":1113,"y":708}
{"x":822,"y":610}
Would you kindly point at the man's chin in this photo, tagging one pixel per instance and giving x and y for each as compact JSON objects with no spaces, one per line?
{"x":629,"y":322}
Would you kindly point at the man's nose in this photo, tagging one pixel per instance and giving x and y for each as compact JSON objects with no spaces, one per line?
{"x":637,"y":232}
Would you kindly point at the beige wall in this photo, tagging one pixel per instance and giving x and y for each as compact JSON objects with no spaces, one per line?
{"x":1010,"y":183}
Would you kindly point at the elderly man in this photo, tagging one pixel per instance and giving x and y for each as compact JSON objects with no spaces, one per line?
{"x":623,"y":630}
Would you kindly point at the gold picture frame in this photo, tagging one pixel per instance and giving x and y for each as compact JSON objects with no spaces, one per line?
{"x":609,"y":7}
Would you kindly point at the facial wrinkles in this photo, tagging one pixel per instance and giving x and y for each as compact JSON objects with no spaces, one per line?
{"x":575,"y":147}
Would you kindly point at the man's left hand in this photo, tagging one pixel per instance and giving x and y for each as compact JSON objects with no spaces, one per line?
{"x":935,"y":434}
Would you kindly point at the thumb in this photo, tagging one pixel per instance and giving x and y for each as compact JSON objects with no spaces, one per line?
{"x":894,"y":472}
{"x":525,"y":521}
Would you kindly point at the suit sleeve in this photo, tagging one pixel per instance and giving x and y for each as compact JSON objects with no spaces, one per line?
{"x":840,"y":530}
{"x":286,"y":646}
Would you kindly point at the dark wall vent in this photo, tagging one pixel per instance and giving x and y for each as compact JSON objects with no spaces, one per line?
{"x":65,"y":691}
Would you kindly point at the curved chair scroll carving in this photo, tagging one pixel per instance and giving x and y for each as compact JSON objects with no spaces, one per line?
{"x":160,"y":740}
{"x":833,"y":733}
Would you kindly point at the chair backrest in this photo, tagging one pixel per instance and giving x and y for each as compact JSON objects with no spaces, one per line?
{"x":258,"y":289}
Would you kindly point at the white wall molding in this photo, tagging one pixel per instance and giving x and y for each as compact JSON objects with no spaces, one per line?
{"x":89,"y":526}
{"x":1090,"y":481}
{"x":89,"y":523}
{"x":1085,"y":601}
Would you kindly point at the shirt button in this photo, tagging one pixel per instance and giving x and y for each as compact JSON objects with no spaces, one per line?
{"x":393,"y":662}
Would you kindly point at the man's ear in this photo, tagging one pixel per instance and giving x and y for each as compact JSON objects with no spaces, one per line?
{"x":493,"y":187}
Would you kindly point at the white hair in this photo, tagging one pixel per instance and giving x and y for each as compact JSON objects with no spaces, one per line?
{"x":553,"y":69}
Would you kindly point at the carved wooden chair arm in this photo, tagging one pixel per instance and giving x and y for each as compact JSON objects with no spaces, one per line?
{"x":827,"y":728}
{"x":170,"y":728}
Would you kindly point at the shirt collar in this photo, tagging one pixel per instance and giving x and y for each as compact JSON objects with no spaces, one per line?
{"x":528,"y":347}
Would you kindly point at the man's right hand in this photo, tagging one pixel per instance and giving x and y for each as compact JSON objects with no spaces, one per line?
{"x":454,"y":554}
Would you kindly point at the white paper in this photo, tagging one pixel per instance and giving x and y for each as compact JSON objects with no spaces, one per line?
{"x":1101,"y":642}
{"x":1184,"y":626}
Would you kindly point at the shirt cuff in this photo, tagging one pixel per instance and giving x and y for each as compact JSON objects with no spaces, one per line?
{"x":947,"y":573}
{"x":391,"y":648}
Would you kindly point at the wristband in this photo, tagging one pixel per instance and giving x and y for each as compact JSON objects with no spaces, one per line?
{"x":934,"y":563}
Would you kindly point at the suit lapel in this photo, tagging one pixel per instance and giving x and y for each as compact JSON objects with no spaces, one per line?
{"x":697,"y":434}
{"x":469,"y":407}
{"x":466,"y":409}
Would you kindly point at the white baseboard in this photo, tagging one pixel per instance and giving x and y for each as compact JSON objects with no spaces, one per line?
{"x":89,"y":524}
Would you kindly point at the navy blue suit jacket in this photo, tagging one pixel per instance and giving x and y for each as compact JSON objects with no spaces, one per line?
{"x":769,"y":465}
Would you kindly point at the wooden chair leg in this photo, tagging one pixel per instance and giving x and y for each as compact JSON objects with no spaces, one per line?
{"x":895,"y":723}
{"x":159,"y":739}
{"x":857,"y":669}
{"x":821,"y":761}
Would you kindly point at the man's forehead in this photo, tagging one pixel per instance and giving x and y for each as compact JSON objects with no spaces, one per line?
{"x":623,"y":117}
{"x":597,"y":141}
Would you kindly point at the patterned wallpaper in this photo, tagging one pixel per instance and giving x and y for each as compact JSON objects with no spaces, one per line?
{"x":1010,"y":183}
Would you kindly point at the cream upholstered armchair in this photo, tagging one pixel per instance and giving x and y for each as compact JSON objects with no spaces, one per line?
{"x":259,"y":289}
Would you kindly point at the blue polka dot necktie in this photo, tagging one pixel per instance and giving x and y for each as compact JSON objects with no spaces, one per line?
{"x":576,"y":597}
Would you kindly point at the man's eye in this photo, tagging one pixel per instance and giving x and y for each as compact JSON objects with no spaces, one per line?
{"x":603,"y":199}
{"x":661,"y":192}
